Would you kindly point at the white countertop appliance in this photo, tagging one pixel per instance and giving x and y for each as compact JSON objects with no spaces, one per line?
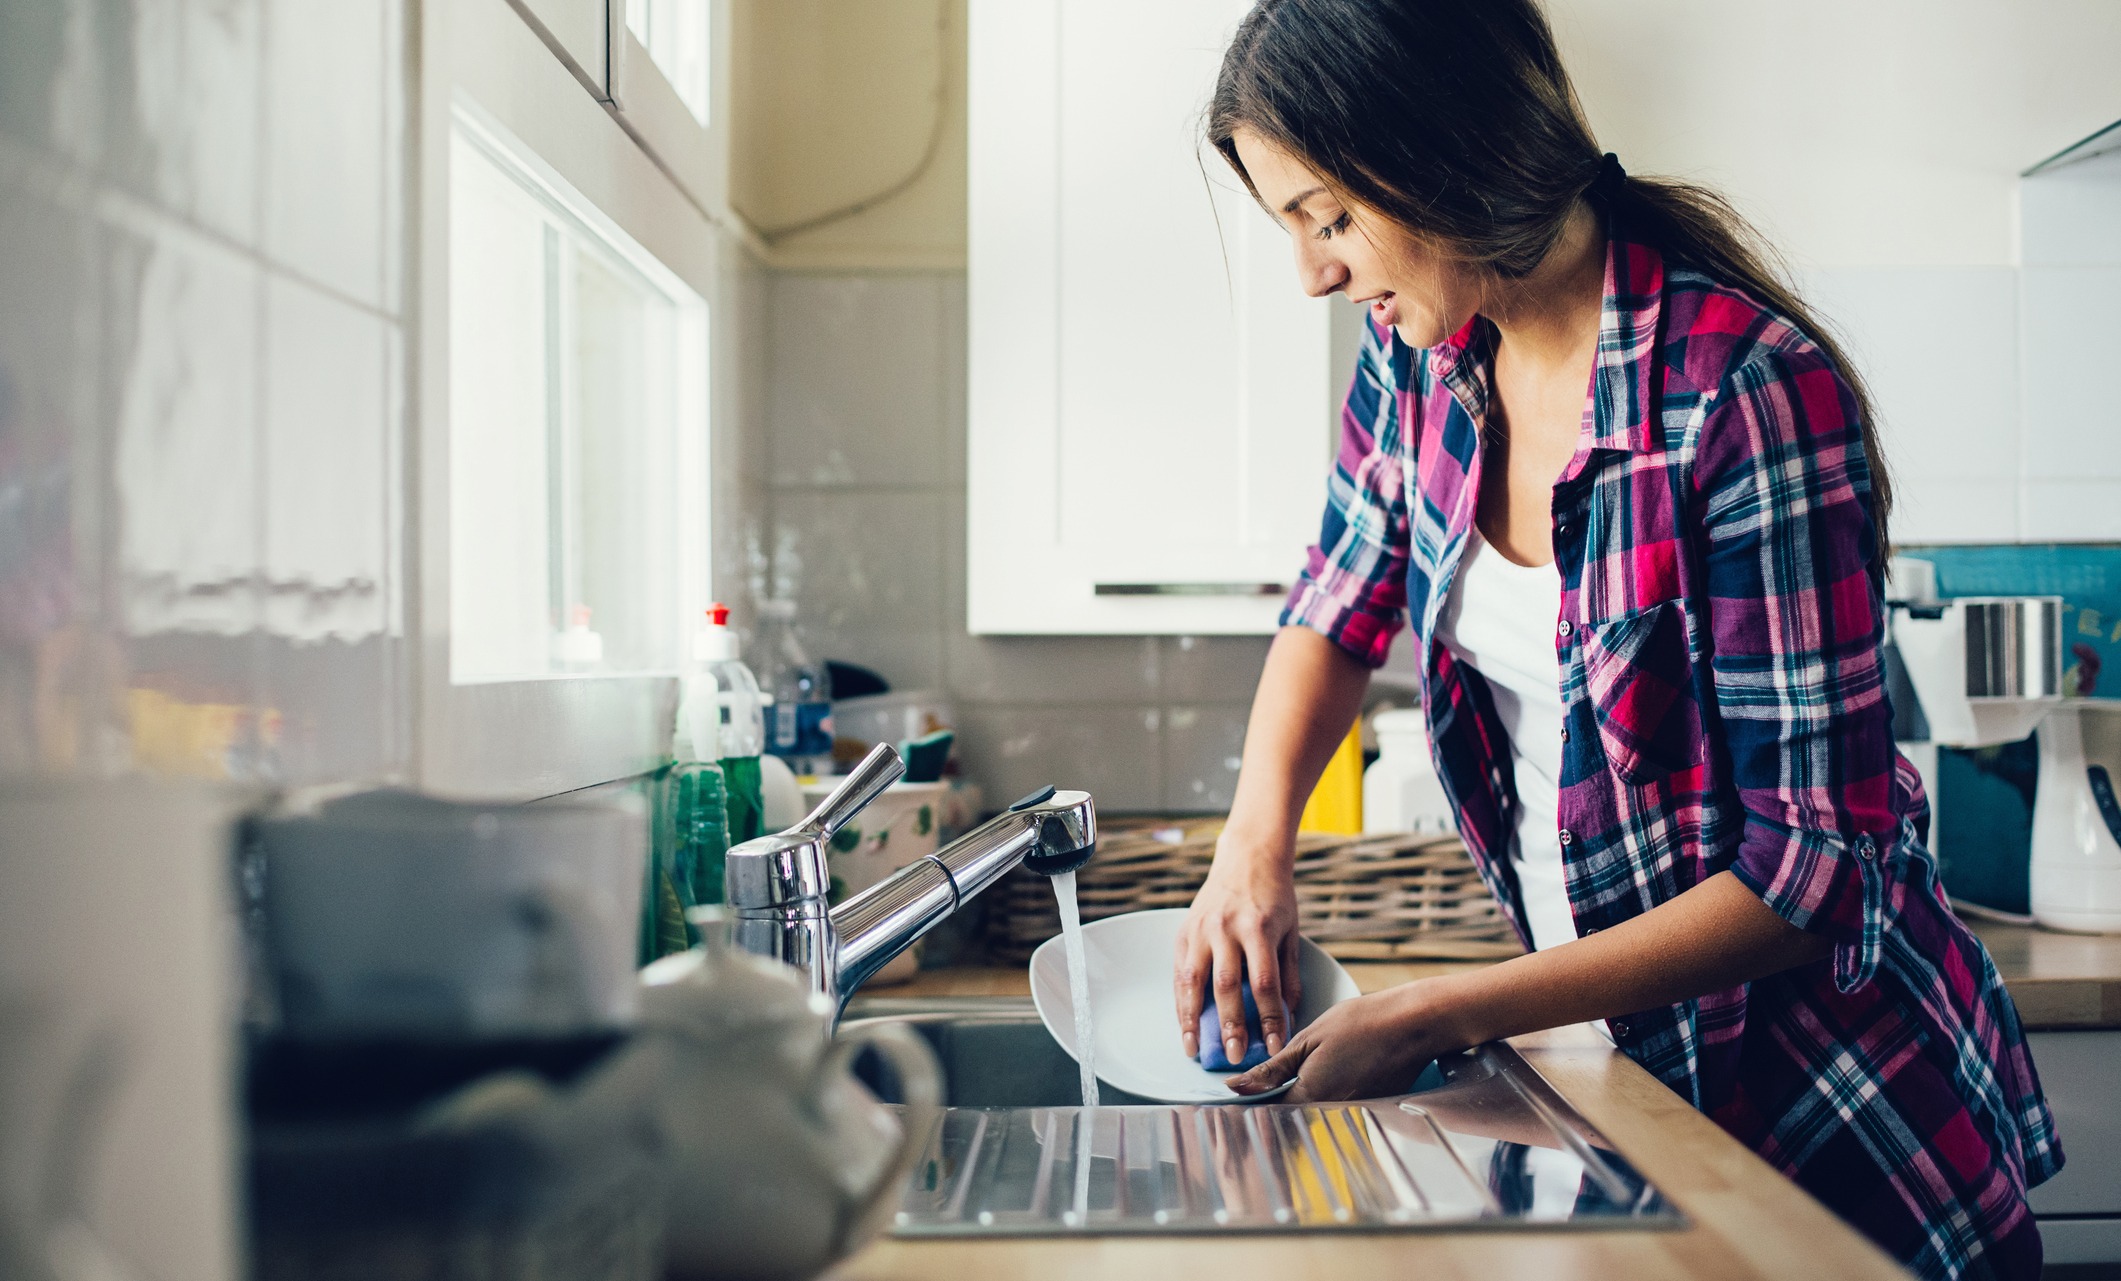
{"x":1988,"y":670}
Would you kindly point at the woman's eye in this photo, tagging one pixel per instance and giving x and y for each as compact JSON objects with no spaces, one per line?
{"x":1334,"y":228}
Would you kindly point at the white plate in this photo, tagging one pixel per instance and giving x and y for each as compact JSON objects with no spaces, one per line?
{"x":1130,"y":960}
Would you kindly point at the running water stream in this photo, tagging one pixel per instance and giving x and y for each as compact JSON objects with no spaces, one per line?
{"x":1071,"y":919}
{"x":1078,"y":983}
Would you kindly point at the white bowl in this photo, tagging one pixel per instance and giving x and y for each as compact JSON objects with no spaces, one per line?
{"x":1136,"y":1025}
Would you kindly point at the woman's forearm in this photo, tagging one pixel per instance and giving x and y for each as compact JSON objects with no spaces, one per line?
{"x":1715,"y":936}
{"x":1309,"y":693}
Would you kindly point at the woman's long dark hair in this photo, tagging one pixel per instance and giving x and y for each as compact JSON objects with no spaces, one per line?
{"x":1455,"y":119}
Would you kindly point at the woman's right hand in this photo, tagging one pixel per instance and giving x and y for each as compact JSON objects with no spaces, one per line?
{"x":1242,"y":926}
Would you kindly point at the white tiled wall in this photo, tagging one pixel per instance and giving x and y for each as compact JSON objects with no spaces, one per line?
{"x":1993,"y":383}
{"x":202,"y":387}
{"x":866,"y":410}
{"x":1938,"y":347}
{"x":2070,"y":300}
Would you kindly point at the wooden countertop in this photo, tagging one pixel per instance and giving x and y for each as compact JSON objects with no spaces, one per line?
{"x":2060,"y":981}
{"x":1746,"y":1220}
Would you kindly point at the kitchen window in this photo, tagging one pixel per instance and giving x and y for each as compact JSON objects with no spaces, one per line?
{"x":570,"y":274}
{"x":577,"y":403}
{"x":679,"y":38}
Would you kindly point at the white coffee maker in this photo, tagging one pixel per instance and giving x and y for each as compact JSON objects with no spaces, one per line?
{"x":1988,"y":670}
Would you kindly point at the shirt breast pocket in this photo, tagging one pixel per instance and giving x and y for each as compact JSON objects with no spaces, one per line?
{"x":1641,"y":684}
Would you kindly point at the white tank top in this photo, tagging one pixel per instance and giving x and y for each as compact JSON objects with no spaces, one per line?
{"x":1500,"y":619}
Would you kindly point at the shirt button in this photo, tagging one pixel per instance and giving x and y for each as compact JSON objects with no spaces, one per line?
{"x":1567,"y":837}
{"x":1564,"y":733}
{"x":1618,"y":1027}
{"x":1567,"y":627}
{"x":1865,"y":847}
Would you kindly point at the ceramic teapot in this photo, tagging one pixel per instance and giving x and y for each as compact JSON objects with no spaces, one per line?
{"x":781,"y":1161}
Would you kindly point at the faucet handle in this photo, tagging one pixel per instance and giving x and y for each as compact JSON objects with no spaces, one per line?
{"x":864,"y":783}
{"x":773,"y":872}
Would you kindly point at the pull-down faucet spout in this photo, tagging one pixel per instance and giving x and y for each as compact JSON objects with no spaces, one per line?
{"x":777,"y":886}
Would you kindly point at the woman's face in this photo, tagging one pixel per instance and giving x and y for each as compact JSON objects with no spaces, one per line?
{"x":1405,"y":282}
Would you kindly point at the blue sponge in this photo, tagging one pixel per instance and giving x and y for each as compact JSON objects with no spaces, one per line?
{"x":1212,"y":1056}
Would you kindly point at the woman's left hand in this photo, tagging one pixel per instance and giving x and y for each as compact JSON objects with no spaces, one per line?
{"x":1367,"y":1048}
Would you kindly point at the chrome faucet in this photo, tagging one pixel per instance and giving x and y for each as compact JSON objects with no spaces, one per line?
{"x":777,"y":886}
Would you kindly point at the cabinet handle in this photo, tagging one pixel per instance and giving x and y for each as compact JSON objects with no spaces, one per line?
{"x":1190,"y":589}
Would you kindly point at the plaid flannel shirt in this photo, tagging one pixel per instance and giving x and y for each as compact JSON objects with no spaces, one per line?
{"x":1720,"y":644}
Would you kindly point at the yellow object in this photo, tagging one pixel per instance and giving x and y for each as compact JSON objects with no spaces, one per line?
{"x":197,"y":740}
{"x":1318,"y":1171}
{"x":1335,"y":806}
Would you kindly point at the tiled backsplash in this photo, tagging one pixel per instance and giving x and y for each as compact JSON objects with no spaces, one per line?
{"x":867,"y":426}
{"x":201,"y":410}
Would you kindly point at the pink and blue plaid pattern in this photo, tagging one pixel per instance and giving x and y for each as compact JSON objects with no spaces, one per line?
{"x":1720,"y":643}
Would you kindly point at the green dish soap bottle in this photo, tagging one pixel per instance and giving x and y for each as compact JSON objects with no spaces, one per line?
{"x":691,"y":843}
{"x":741,"y":727}
{"x":698,"y":793}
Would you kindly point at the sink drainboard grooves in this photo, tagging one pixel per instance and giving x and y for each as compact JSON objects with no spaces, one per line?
{"x":1384,"y":1164}
{"x":1485,"y":1142}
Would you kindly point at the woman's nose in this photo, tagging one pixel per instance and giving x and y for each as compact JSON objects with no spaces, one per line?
{"x":1319,"y":272}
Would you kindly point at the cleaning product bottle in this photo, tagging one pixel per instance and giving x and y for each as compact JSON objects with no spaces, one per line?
{"x":1400,"y":790}
{"x":691,"y":835}
{"x":741,"y":722}
{"x":799,"y":722}
{"x":1336,"y":803}
{"x":699,"y":796}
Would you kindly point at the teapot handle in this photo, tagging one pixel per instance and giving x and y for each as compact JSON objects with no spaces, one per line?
{"x":921,"y":1080}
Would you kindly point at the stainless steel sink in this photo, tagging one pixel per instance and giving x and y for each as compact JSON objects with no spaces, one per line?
{"x":1480,"y":1140}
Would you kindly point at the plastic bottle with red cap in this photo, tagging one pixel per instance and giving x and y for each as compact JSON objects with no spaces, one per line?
{"x":738,"y":722}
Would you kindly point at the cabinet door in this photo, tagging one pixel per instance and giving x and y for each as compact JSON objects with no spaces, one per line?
{"x":2080,"y":1208}
{"x":2081,"y":1073}
{"x":1151,"y":399}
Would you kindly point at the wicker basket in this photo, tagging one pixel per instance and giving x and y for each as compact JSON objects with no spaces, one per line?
{"x":1362,"y":898}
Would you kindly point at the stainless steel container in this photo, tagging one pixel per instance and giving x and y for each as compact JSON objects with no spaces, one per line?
{"x":2013,"y":646}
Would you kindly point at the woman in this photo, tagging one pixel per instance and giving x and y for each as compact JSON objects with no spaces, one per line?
{"x":1648,"y":617}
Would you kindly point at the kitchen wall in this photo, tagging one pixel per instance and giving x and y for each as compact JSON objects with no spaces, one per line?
{"x":837,"y":101}
{"x":202,"y":373}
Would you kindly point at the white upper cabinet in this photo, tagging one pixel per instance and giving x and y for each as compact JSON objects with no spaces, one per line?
{"x":1152,"y":397}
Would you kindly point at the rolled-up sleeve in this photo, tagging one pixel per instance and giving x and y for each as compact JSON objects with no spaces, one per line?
{"x":1796,"y":625}
{"x":1353,"y":588}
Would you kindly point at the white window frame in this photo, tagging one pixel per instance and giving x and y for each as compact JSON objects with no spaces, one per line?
{"x":544,"y":735}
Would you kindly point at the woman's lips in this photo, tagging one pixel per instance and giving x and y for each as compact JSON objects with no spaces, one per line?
{"x":1384,"y":309}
